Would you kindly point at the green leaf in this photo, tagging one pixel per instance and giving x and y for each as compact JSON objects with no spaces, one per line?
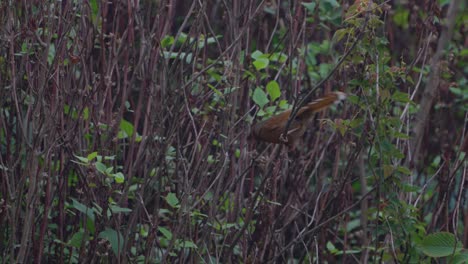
{"x":182,"y":38}
{"x":325,"y":47}
{"x":310,"y":6}
{"x":270,"y":109}
{"x":404,"y":170}
{"x":83,"y":208}
{"x":461,"y":258}
{"x":188,"y":244}
{"x":66,"y":109}
{"x":94,"y":10}
{"x":77,"y":238}
{"x":24,"y":48}
{"x":332,"y":3}
{"x":215,"y":90}
{"x":256,"y":54}
{"x":401,"y":17}
{"x":167,"y":41}
{"x":237,"y":153}
{"x":92,"y":155}
{"x":401,"y":97}
{"x":115,"y":239}
{"x":109,"y":157}
{"x":119,"y":177}
{"x":441,"y":244}
{"x":51,"y":55}
{"x":463,"y":93}
{"x":279,"y":56}
{"x":170,"y":153}
{"x":283,"y":104}
{"x":83,"y":160}
{"x":117,"y":209}
{"x":273,"y":90}
{"x":411,"y":188}
{"x":339,"y":34}
{"x":331,"y":247}
{"x":126,"y":129}
{"x":261,"y":63}
{"x":324,"y":69}
{"x":101,"y":167}
{"x":172,"y":200}
{"x":260,"y":97}
{"x":85,"y":113}
{"x":166,"y":232}
{"x":463,"y":53}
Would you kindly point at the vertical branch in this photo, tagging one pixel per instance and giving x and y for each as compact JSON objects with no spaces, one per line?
{"x":422,"y":117}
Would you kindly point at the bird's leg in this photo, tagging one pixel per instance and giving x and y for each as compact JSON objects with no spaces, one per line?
{"x":287,"y":140}
{"x":283,"y":138}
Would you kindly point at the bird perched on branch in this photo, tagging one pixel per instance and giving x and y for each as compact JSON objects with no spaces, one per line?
{"x":271,"y":129}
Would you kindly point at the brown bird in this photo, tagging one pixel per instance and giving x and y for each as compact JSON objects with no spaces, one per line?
{"x":271,"y":129}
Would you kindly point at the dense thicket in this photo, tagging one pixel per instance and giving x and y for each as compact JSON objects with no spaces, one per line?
{"x":124,"y":131}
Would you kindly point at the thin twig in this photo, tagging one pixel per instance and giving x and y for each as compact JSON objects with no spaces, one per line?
{"x":298,"y":104}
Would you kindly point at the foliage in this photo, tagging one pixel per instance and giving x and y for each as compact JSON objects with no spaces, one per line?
{"x":124,"y":132}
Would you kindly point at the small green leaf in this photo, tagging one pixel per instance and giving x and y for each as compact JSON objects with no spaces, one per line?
{"x":109,"y":157}
{"x":310,"y":6}
{"x":77,"y":239}
{"x":261,"y":113}
{"x":24,"y":48}
{"x":331,"y":247}
{"x":353,"y":99}
{"x":182,"y":38}
{"x":260,"y":97}
{"x":167,"y":41}
{"x":166,"y":232}
{"x":210,"y":159}
{"x":94,"y":10}
{"x":172,"y":200}
{"x":401,"y":97}
{"x":404,"y":170}
{"x":324,"y":69}
{"x":100,"y":167}
{"x":215,"y":90}
{"x":51,"y":55}
{"x":339,"y":34}
{"x":283,"y":104}
{"x":401,"y":17}
{"x":82,"y":159}
{"x":115,"y":239}
{"x":188,"y":244}
{"x":256,"y":54}
{"x":463,"y":53}
{"x":85,"y":113}
{"x":117,"y":209}
{"x":261,"y":63}
{"x":237,"y":153}
{"x":270,"y":109}
{"x":279,"y":56}
{"x":332,"y":3}
{"x":411,"y":188}
{"x":127,"y":127}
{"x":92,"y":155}
{"x":83,"y":208}
{"x":463,"y":93}
{"x":273,"y":90}
{"x":119,"y":177}
{"x":66,"y":109}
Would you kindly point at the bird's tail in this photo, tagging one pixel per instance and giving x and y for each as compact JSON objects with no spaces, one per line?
{"x":324,"y":102}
